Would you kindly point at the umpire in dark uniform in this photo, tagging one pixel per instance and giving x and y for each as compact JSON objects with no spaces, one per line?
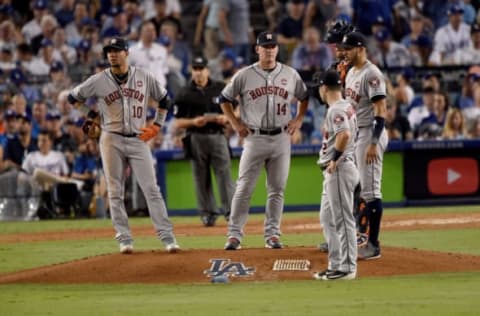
{"x":205,"y":143}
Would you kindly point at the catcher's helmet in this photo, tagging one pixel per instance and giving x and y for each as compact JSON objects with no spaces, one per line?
{"x":337,"y":31}
{"x":117,"y":43}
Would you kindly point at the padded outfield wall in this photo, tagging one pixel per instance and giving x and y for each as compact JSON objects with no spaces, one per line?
{"x":304,"y":183}
{"x":414,"y":173}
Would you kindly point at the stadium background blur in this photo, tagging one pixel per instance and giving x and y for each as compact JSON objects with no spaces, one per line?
{"x":428,"y":50}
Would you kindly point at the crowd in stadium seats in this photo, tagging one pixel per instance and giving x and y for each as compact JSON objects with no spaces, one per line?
{"x":48,"y":46}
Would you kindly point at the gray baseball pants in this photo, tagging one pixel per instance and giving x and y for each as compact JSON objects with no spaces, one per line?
{"x":273,"y":153}
{"x":336,"y":216}
{"x":117,"y":151}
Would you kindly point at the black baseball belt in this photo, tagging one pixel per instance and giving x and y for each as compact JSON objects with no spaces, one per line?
{"x":125,"y":135}
{"x":268,"y":131}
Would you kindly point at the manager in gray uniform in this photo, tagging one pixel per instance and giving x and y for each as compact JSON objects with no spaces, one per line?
{"x":122,"y":94}
{"x":265,"y":92}
{"x":340,"y":176}
{"x":205,"y":143}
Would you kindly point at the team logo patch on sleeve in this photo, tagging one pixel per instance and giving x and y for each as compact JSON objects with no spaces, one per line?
{"x":374,"y":82}
{"x":338,"y":119}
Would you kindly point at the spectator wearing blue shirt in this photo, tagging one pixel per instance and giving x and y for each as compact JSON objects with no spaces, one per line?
{"x":120,"y":27}
{"x":85,"y":166}
{"x":290,"y":27}
{"x":365,"y":12}
{"x":312,"y":54}
{"x":19,"y":144}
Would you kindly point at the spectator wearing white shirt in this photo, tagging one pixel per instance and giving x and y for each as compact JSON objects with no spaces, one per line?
{"x":32,"y":28}
{"x":451,"y":38}
{"x":472,"y":113}
{"x":148,"y":54}
{"x":390,"y":53}
{"x":46,"y":166}
{"x":418,"y":113}
{"x":471,"y":55}
{"x":74,"y":28}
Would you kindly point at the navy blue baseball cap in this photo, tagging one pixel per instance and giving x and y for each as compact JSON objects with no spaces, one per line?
{"x":24,"y":116}
{"x":53,"y":115}
{"x":116,"y":43}
{"x":382,"y":34}
{"x":455,"y":9}
{"x":10,"y":114}
{"x":56,"y":66}
{"x":46,"y":42}
{"x":353,"y":39}
{"x":84,"y":45}
{"x":40,"y":5}
{"x":114,"y":11}
{"x":330,"y":78}
{"x":17,"y":76}
{"x":267,"y":38}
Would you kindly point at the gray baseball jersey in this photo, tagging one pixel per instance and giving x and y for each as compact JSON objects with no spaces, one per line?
{"x":264,"y":100}
{"x":336,"y":211}
{"x":265,"y":96}
{"x":340,"y":116}
{"x":360,"y":87}
{"x":123,"y":110}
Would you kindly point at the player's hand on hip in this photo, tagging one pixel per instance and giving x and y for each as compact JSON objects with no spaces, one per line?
{"x":372,"y":156}
{"x":149,"y":132}
{"x":332,"y":167}
{"x":293,"y":125}
{"x":241,"y":129}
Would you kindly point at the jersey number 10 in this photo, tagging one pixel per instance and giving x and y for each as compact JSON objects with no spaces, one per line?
{"x":137,"y":111}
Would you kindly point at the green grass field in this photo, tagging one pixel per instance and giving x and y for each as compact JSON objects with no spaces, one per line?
{"x":428,"y":294}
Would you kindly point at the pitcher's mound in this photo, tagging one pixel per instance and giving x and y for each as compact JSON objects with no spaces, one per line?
{"x":193,"y":266}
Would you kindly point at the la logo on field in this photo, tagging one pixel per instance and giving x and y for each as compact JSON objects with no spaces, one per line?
{"x":226,"y":267}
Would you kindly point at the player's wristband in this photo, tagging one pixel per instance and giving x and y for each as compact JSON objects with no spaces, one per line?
{"x":337,"y":154}
{"x":378,"y":126}
{"x":164,"y":103}
{"x":160,"y":118}
{"x":71,"y":99}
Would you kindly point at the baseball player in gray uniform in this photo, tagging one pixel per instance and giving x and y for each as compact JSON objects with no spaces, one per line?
{"x":365,"y":89}
{"x":265,"y":91}
{"x":340,"y":178}
{"x":122,"y":94}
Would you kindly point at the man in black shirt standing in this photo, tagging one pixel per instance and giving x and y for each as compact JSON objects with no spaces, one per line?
{"x":205,"y":143}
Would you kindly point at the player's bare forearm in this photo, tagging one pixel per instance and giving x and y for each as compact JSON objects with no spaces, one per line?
{"x":297,"y":122}
{"x":341,"y":142}
{"x":223,"y":24}
{"x":237,"y":124}
{"x":380,"y":108}
{"x":190,"y":122}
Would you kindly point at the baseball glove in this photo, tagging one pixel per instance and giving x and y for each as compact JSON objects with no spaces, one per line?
{"x":92,"y":129}
{"x":149,"y":132}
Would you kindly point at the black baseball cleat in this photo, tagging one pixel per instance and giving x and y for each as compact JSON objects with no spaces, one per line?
{"x":321,"y":274}
{"x":273,"y":243}
{"x":369,"y":252}
{"x":232,"y":244}
{"x":339,"y":275}
{"x":209,"y":220}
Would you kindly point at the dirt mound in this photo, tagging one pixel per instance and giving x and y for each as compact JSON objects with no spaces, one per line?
{"x":189,"y":266}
